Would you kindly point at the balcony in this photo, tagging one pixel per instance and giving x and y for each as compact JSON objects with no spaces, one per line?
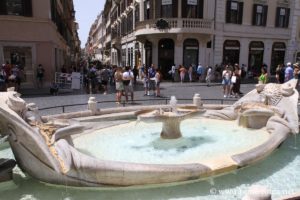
{"x":176,"y":25}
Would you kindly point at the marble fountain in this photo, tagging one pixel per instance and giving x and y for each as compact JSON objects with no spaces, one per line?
{"x":148,"y":146}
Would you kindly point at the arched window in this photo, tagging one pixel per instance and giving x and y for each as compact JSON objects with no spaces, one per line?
{"x":256,"y":57}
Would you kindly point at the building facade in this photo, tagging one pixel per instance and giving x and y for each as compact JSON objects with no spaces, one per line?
{"x":188,"y":32}
{"x":38,"y":32}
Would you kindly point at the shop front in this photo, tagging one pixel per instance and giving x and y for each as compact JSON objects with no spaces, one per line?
{"x":190,"y":52}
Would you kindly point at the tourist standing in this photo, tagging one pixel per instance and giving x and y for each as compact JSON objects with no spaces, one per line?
{"x":226,"y":81}
{"x":40,"y":71}
{"x":135,"y":74}
{"x":118,"y":76}
{"x":128,"y":77}
{"x":145,"y":76}
{"x":3,"y":78}
{"x":208,"y":76}
{"x":105,"y":74}
{"x":158,"y":78}
{"x":199,"y":72}
{"x":182,"y":72}
{"x":151,"y":74}
{"x":190,"y":71}
{"x":263,"y":78}
{"x":280,"y":74}
{"x":288,"y":73}
{"x":236,"y":80}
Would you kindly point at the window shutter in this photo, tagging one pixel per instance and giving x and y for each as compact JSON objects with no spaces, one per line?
{"x":265,"y":15}
{"x":175,"y":8}
{"x":254,"y":14}
{"x":145,"y":10}
{"x":158,"y":9}
{"x":240,"y":12}
{"x":3,"y":7}
{"x":228,"y":11}
{"x":287,"y":18}
{"x":27,"y":8}
{"x":151,"y":9}
{"x":200,"y":9}
{"x":277,"y":17}
{"x":184,"y":8}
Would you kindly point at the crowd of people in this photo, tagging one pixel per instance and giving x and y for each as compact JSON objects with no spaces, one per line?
{"x":11,"y":75}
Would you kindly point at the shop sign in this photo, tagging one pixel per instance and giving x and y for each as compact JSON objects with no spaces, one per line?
{"x":192,"y":2}
{"x":166,"y":2}
{"x":234,"y":6}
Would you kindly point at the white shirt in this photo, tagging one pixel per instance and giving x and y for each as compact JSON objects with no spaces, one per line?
{"x":128,"y":75}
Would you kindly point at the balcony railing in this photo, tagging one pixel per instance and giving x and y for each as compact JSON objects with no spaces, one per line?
{"x":185,"y":24}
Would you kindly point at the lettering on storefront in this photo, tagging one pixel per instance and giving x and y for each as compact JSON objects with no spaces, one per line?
{"x":192,"y":2}
{"x":166,"y":2}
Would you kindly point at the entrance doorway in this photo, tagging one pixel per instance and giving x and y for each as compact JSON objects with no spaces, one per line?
{"x":256,"y":57}
{"x":190,"y":52}
{"x":165,"y":56}
{"x":231,"y":52}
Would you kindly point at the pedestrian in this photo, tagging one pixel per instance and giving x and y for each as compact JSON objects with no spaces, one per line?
{"x":54,"y":88}
{"x":3,"y":78}
{"x":118,"y":76}
{"x":105,"y":74}
{"x":190,"y":71}
{"x":145,"y":77}
{"x":172,"y":72}
{"x":182,"y":72}
{"x":40,"y":71}
{"x":128,"y":78}
{"x":135,"y":74}
{"x":280,"y":74}
{"x":199,"y":72}
{"x":288,"y":73}
{"x":226,"y":81}
{"x":263,"y":78}
{"x":151,"y":75}
{"x":236,"y":81}
{"x":158,"y":78}
{"x":208,"y":76}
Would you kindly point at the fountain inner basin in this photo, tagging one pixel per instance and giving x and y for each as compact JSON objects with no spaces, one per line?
{"x":204,"y":140}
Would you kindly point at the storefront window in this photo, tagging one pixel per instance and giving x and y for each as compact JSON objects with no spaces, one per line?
{"x":190,"y":52}
{"x":256,"y":55}
{"x":278,"y":54}
{"x":231,"y":52}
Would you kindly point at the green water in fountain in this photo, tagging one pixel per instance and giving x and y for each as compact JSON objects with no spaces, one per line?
{"x":202,"y":139}
{"x":279,"y":172}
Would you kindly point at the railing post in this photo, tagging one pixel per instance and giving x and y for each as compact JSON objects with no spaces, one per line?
{"x":63,"y":109}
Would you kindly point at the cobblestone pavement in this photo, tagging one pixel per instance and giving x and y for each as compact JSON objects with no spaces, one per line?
{"x":181,"y":91}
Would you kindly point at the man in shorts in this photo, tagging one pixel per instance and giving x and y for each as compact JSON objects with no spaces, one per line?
{"x":128,"y":82}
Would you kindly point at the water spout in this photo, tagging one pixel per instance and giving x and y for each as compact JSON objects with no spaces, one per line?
{"x":173,"y":104}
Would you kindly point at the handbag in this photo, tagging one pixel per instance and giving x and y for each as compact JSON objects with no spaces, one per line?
{"x":233,"y":79}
